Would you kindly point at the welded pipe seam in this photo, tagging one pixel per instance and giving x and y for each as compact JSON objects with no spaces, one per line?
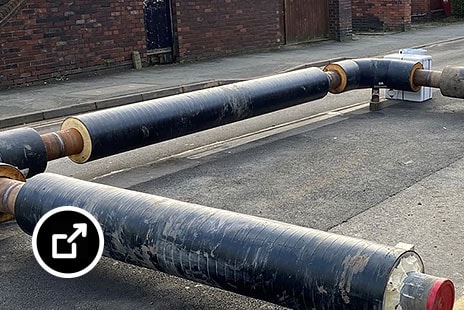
{"x":372,"y":72}
{"x":61,"y":147}
{"x":10,"y":182}
{"x":8,"y":191}
{"x":278,"y":262}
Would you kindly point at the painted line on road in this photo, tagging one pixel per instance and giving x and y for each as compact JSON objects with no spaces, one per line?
{"x":223,"y":145}
{"x":432,"y":44}
{"x":219,"y":146}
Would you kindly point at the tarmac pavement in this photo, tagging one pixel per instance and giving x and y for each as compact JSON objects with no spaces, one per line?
{"x":73,"y":95}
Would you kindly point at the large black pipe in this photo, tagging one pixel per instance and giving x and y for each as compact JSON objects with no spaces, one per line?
{"x":120,"y":129}
{"x":117,"y":130}
{"x":281,"y":263}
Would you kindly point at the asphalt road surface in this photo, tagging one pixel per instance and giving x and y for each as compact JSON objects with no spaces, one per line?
{"x":389,"y":176}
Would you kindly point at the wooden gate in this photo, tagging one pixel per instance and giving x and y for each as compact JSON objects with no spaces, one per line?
{"x":306,"y":20}
{"x":158,"y":29}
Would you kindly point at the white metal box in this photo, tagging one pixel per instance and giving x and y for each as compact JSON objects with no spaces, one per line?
{"x":425,"y":93}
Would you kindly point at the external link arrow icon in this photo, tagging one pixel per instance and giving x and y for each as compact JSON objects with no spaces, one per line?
{"x":67,"y":242}
{"x":81,"y":229}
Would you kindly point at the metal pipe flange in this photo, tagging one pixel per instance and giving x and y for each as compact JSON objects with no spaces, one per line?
{"x":11,"y":180}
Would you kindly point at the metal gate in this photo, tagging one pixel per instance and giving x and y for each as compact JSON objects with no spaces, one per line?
{"x":158,"y":29}
{"x":306,"y":20}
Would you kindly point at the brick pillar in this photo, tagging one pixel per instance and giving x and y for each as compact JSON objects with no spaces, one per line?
{"x":340,"y":24}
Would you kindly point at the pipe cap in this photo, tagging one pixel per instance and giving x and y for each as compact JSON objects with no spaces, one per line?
{"x":441,"y":296}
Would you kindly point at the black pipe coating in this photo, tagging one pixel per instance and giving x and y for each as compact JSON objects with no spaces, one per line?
{"x":281,"y":263}
{"x":369,"y":73}
{"x":24,"y":149}
{"x":125,"y":128}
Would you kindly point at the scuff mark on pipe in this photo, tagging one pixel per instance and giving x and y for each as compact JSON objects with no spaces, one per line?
{"x":351,"y":266}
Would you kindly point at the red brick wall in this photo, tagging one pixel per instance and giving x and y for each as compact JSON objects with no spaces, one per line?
{"x":208,"y":28}
{"x":380,"y":15}
{"x":420,"y":7}
{"x":47,"y":39}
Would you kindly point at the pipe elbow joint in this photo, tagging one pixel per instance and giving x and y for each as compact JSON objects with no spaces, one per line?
{"x":372,"y":72}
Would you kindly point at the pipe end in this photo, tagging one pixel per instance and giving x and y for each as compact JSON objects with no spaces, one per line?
{"x":412,"y":84}
{"x":441,"y":296}
{"x":422,"y":291}
{"x":11,"y":173}
{"x":343,"y":78}
{"x":86,"y":152}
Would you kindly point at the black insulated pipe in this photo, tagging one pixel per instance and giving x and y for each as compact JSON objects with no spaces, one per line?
{"x":281,"y":263}
{"x":371,"y":72}
{"x":108,"y":132}
{"x":24,"y":149}
{"x":120,"y":129}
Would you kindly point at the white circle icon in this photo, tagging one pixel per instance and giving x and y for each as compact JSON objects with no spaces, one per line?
{"x":67,"y":242}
